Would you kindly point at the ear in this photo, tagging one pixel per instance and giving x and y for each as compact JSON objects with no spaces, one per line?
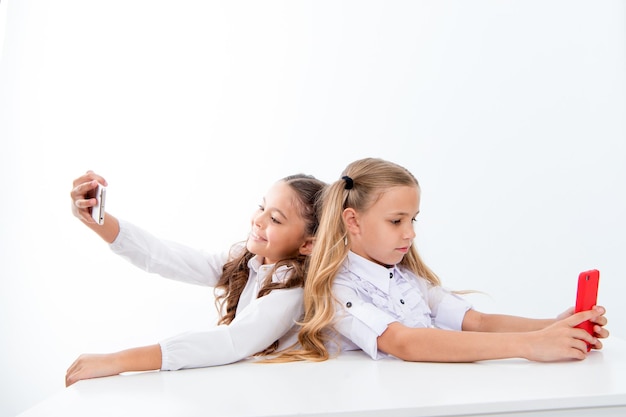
{"x":350,"y":220}
{"x":307,"y":247}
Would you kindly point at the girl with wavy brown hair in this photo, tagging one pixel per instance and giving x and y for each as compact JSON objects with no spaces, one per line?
{"x":258,"y":282}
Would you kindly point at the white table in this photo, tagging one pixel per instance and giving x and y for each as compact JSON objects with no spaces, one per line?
{"x":354,"y":385}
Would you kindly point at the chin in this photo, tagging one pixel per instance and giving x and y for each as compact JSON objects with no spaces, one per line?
{"x":395,"y":260}
{"x":250,"y":246}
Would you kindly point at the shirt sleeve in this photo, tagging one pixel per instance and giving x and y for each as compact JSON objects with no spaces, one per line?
{"x":359,"y":321}
{"x":168,"y":259}
{"x":256,"y":327}
{"x":448,"y":309}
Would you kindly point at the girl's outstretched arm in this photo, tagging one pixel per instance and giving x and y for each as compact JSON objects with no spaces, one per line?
{"x":476,"y":321}
{"x":558,"y":341}
{"x":147,"y":358}
{"x":481,"y":322}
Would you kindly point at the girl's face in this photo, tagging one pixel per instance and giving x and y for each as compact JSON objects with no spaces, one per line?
{"x":384,"y":233}
{"x":278,"y":230}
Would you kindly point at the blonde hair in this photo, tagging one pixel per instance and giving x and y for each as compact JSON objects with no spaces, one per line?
{"x":367,"y":180}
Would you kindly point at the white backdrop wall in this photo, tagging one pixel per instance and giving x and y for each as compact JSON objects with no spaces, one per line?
{"x":511,"y":115}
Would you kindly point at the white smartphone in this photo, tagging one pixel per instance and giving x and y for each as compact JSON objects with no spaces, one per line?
{"x":97,"y":211}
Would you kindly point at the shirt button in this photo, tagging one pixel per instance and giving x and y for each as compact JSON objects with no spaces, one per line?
{"x":401,"y":301}
{"x":390,"y":275}
{"x":348,"y":304}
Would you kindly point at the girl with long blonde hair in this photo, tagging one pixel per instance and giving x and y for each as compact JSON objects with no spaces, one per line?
{"x":367,"y":287}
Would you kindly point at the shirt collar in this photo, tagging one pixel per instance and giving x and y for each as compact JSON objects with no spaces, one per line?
{"x":255,"y":263}
{"x":369,"y":271}
{"x":261,"y":270}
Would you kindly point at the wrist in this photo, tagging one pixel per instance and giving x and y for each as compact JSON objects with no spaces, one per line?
{"x":120,"y":362}
{"x":514,"y":345}
{"x":146,"y":358}
{"x":524,"y":345}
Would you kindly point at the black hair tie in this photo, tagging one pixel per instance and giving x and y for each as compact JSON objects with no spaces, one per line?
{"x":349,"y":183}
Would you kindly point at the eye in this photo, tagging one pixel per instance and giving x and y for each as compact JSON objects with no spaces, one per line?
{"x":396,"y":222}
{"x":261,"y":208}
{"x":413,"y":220}
{"x":275,"y":220}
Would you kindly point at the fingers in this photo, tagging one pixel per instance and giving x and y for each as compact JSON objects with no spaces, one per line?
{"x":601,"y":319}
{"x":83,"y":186}
{"x":71,"y":376}
{"x":82,"y":195}
{"x":580,"y":339}
{"x":584,"y":337}
{"x":70,"y":379}
{"x":598,"y":345}
{"x":595,"y":316}
{"x":85,"y":367}
{"x":90,"y":176}
{"x":592,"y":315}
{"x":579,"y":348}
{"x":579,"y":342}
{"x":600,"y":332}
{"x":82,"y":201}
{"x":601,"y":310}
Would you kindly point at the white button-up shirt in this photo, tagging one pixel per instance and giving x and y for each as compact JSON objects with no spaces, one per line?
{"x":258,"y":321}
{"x":371,"y":296}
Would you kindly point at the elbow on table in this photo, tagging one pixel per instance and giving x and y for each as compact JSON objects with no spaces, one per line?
{"x":398,"y":340}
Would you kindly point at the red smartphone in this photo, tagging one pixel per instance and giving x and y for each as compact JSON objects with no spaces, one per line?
{"x":587,"y":296}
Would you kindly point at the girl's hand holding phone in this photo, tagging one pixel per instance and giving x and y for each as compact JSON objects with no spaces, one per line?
{"x":84,"y":196}
{"x":597,"y":324}
{"x":564,"y":340}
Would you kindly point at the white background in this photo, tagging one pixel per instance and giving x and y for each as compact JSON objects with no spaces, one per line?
{"x":510,"y":114}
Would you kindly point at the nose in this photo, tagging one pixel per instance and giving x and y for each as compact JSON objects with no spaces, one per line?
{"x":258,"y":219}
{"x":410,"y":233}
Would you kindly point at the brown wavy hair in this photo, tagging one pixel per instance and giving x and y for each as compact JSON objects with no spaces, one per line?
{"x":371,"y":177}
{"x":235,"y":272}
